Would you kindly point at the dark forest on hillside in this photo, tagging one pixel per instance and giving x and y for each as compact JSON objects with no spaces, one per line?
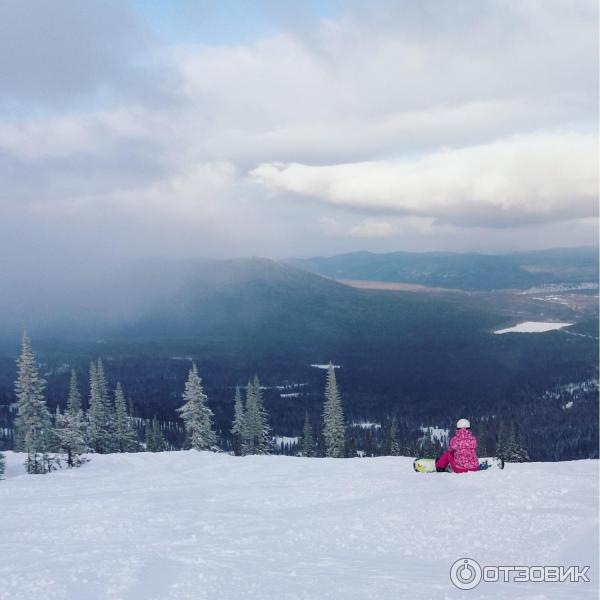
{"x":421,"y":359}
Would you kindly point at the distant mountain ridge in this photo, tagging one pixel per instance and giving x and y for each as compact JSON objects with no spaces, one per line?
{"x":462,"y":271}
{"x":421,"y":356}
{"x":169,"y":296}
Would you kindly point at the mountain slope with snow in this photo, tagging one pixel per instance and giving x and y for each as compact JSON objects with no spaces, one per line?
{"x":181,"y":525}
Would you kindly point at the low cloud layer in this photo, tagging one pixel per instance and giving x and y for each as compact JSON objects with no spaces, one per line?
{"x":513,"y":182}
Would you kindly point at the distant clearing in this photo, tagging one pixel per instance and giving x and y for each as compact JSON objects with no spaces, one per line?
{"x":397,"y":286}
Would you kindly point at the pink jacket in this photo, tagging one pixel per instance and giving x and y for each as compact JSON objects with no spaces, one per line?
{"x":462,"y":450}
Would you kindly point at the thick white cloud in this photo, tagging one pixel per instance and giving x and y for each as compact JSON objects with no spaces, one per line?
{"x":514,"y":181}
{"x":354,"y":110}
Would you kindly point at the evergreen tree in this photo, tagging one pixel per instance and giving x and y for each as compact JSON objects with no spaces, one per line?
{"x":130,"y":407}
{"x":1,"y":464}
{"x":250,"y":411}
{"x":369,"y":445}
{"x":95,"y":415}
{"x":392,"y":446}
{"x":257,"y":433}
{"x":511,"y":446}
{"x":92,"y":411}
{"x":155,"y":441}
{"x":238,"y":426}
{"x":100,"y":414}
{"x":263,"y":438}
{"x":308,"y":440}
{"x":197,"y":417}
{"x":504,"y":442}
{"x":70,"y":427}
{"x":74,"y":400}
{"x":519,"y":451}
{"x":54,"y":444}
{"x":124,"y":436}
{"x":102,"y":383}
{"x":334,"y":429}
{"x":109,"y":426}
{"x":32,"y":423}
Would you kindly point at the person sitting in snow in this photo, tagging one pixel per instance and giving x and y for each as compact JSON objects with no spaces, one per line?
{"x":461,"y":455}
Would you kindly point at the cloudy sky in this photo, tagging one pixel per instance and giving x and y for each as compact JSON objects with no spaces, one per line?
{"x":285,"y":128}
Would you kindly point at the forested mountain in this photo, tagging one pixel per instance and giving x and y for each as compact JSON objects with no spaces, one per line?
{"x":462,"y":271}
{"x":422,"y":358}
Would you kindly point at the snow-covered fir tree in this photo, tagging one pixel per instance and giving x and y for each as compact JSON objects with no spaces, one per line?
{"x":74,"y":400}
{"x":264,"y":443}
{"x":197,"y":417}
{"x":503,"y":442}
{"x":53,"y":439}
{"x":124,"y":437}
{"x":96,"y":436}
{"x":70,"y":426}
{"x":155,"y":441}
{"x":334,"y":428}
{"x":520,"y":452}
{"x":102,"y":382}
{"x":93,"y":414}
{"x":32,"y":424}
{"x":238,"y":426}
{"x":100,"y":431}
{"x":392,"y":445}
{"x":109,"y":409}
{"x":308,"y":441}
{"x":250,"y":411}
{"x":510,"y":446}
{"x":257,"y":432}
{"x":518,"y":445}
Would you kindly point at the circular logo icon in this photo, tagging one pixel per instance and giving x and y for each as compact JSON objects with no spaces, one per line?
{"x":465,"y":573}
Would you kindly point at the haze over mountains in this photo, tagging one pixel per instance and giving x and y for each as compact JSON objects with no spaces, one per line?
{"x":195,"y":294}
{"x":463,"y":271}
{"x":420,"y":356}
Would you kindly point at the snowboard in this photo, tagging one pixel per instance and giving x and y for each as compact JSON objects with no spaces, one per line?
{"x":427,"y":465}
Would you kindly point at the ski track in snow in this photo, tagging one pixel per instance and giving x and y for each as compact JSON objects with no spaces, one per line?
{"x":195,"y":525}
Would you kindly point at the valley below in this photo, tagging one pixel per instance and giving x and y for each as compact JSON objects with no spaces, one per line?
{"x":421,"y":355}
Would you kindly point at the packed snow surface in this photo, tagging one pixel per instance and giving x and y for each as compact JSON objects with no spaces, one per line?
{"x":533,"y":327}
{"x":195,"y":525}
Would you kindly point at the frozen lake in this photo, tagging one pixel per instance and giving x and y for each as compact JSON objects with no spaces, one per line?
{"x":533,"y":327}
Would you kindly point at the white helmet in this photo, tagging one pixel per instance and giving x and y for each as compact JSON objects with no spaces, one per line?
{"x":463,"y":424}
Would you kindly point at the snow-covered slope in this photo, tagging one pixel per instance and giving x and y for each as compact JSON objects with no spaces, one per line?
{"x":181,"y":525}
